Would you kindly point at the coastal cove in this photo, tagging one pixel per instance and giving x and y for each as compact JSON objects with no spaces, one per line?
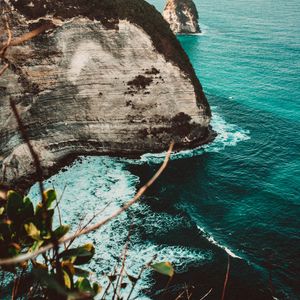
{"x":238,"y":195}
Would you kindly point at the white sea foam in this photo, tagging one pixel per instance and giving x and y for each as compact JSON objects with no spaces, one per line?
{"x":97,"y":182}
{"x":210,"y":238}
{"x":228,"y":135}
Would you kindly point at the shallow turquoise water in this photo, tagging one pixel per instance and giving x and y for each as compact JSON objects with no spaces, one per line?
{"x":239,"y":194}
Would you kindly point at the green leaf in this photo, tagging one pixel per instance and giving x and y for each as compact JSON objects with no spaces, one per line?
{"x":2,"y":209}
{"x":50,"y":196}
{"x":18,"y":209}
{"x":67,"y":279}
{"x":14,"y":249}
{"x":49,"y":281}
{"x":61,"y":231}
{"x":32,"y":231}
{"x":36,"y":245}
{"x":5,"y":229}
{"x":112,"y":278}
{"x":14,"y":204}
{"x":82,"y":254}
{"x":81,"y":273}
{"x":132,"y":278}
{"x":84,"y":285}
{"x":27,"y":210}
{"x":97,"y":288}
{"x":164,"y":268}
{"x":124,"y":285}
{"x":41,"y":266}
{"x":68,"y":267}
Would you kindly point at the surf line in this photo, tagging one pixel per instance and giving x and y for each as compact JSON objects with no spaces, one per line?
{"x":210,"y":238}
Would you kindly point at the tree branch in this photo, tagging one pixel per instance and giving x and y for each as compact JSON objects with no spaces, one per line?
{"x":226,"y":278}
{"x":141,"y":191}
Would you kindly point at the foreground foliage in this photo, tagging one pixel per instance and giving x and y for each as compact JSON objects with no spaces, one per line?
{"x":57,"y":273}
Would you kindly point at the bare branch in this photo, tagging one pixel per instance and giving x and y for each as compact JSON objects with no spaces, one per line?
{"x":3,"y":69}
{"x":32,"y":34}
{"x":142,"y":190}
{"x":206,"y":294}
{"x":120,"y":277}
{"x":80,"y":227}
{"x":28,"y":36}
{"x":140,"y":275}
{"x":9,"y":38}
{"x":34,"y":155}
{"x":226,"y":278}
{"x":179,"y":296}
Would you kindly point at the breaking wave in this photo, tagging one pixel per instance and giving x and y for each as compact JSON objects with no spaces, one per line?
{"x":228,"y":135}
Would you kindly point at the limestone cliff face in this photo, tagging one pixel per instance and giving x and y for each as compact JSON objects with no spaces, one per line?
{"x":100,"y":81}
{"x":182,"y":16}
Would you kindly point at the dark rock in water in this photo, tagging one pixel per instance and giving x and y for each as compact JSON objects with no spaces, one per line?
{"x":107,"y":77}
{"x":182,"y":16}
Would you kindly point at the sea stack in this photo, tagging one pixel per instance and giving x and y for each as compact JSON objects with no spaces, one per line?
{"x":182,"y":15}
{"x":106,"y":77}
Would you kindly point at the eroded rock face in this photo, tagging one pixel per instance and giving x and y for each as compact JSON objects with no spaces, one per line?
{"x":182,"y":16}
{"x":96,"y":83}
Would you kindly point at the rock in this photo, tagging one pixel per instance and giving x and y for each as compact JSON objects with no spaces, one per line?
{"x":182,"y":16}
{"x":107,"y":77}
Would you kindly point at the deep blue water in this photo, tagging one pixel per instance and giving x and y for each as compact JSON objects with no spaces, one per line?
{"x":239,"y":194}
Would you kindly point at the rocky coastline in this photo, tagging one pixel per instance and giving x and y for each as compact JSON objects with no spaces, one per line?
{"x":98,"y":81}
{"x":182,"y":15}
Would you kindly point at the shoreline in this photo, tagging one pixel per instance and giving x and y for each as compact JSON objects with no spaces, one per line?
{"x":24,"y":183}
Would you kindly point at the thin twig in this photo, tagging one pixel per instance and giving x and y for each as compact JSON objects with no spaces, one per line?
{"x":167,"y":287}
{"x":226,"y":278}
{"x":59,"y":214}
{"x":3,"y":69}
{"x":29,"y":35}
{"x":61,"y":196}
{"x":54,"y":243}
{"x":187,"y":291}
{"x":9,"y":38}
{"x":141,"y":191}
{"x":33,"y":154}
{"x":120,"y":277}
{"x":179,"y":296}
{"x":17,"y":285}
{"x":109,"y":282}
{"x":79,"y":229}
{"x":206,"y":294}
{"x":140,"y":275}
{"x":14,"y":288}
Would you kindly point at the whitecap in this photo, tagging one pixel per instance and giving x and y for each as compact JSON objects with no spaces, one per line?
{"x":228,"y":135}
{"x":210,"y":238}
{"x":94,"y":183}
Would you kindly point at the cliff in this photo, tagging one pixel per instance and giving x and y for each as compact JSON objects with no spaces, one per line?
{"x":182,"y":16}
{"x":107,"y":77}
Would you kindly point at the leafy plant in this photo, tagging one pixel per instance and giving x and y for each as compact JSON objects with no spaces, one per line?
{"x":56,"y":273}
{"x":24,"y":229}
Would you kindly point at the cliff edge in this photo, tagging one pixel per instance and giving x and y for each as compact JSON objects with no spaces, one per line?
{"x":107,"y":77}
{"x":182,"y":16}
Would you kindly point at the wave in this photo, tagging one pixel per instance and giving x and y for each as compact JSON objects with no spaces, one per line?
{"x":211,"y":239}
{"x":93,"y":184}
{"x":228,"y":135}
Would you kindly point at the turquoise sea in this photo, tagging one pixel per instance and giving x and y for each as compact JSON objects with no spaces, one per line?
{"x":238,"y":196}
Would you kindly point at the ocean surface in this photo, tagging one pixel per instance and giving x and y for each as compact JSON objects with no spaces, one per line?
{"x":238,"y":196}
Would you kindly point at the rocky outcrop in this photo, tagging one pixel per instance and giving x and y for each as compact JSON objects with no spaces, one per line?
{"x":107,"y":77}
{"x":182,"y":16}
